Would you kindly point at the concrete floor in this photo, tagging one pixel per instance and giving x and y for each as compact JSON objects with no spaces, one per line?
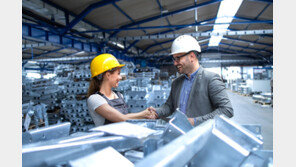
{"x":248,"y":112}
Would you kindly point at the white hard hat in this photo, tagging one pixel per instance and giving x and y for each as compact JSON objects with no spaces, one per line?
{"x":185,"y":43}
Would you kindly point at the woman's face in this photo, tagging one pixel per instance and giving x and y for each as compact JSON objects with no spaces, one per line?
{"x":114,"y":78}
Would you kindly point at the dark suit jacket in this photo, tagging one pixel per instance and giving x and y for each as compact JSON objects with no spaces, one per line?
{"x":207,"y":98}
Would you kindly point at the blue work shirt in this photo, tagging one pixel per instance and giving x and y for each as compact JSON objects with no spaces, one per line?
{"x":185,"y":91}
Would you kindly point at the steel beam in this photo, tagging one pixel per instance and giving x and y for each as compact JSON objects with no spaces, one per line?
{"x":164,"y":49}
{"x":48,"y":52}
{"x":245,"y":47}
{"x":55,"y":39}
{"x":239,"y":52}
{"x":200,"y":41}
{"x":164,"y":32}
{"x":33,"y":45}
{"x":268,"y":1}
{"x":195,"y":34}
{"x":200,"y":24}
{"x":85,"y":12}
{"x":263,"y":10}
{"x":168,"y":14}
{"x":131,"y":45}
{"x":259,"y":14}
{"x":160,"y":8}
{"x":156,"y":44}
{"x":224,"y":61}
{"x":94,"y":47}
{"x":125,"y":14}
{"x":121,"y":11}
{"x":65,"y":59}
{"x":67,"y":11}
{"x":240,"y":40}
{"x":254,"y":20}
{"x":52,"y":51}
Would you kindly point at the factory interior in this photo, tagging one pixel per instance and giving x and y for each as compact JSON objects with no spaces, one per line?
{"x":61,"y":39}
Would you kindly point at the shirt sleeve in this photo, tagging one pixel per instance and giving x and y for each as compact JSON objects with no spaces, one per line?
{"x":95,"y":101}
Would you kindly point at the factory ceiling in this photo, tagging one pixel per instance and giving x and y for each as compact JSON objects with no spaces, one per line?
{"x":142,"y":29}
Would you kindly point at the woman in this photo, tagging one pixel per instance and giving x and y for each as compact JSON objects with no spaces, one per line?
{"x":105,"y":105}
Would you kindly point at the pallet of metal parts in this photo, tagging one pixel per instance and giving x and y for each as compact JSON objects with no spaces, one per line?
{"x":244,"y":89}
{"x":266,"y":94}
{"x":63,"y":150}
{"x":216,"y":142}
{"x":34,"y":116}
{"x":218,"y":138}
{"x":261,"y":99}
{"x":46,"y":133}
{"x":41,"y":91}
{"x":76,"y":112}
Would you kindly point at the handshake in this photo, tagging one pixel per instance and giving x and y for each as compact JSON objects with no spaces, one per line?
{"x":149,"y":113}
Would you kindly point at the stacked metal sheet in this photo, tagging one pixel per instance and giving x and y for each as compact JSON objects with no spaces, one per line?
{"x":244,"y":89}
{"x":65,"y":94}
{"x":40,"y":91}
{"x":73,"y":107}
{"x":235,"y":85}
{"x":76,"y":88}
{"x":140,"y":93}
{"x":262,"y":98}
{"x":76,"y":112}
{"x":216,"y":142}
{"x":34,"y":115}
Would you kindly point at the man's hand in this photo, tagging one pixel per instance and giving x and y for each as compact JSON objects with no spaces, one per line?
{"x":153,"y":112}
{"x":191,"y":120}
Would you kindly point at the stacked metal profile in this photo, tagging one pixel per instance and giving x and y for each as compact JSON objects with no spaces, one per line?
{"x":65,"y":94}
{"x":68,"y":87}
{"x":244,"y":89}
{"x":139,"y":93}
{"x":73,"y":107}
{"x":34,"y":115}
{"x":263,"y":98}
{"x":216,"y":142}
{"x":76,"y":112}
{"x":235,"y":85}
{"x":40,"y":91}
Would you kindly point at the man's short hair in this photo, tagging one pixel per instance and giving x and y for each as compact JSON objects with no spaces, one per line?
{"x":197,"y":54}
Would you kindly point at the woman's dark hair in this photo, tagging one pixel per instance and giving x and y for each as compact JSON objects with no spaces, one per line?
{"x":96,"y":82}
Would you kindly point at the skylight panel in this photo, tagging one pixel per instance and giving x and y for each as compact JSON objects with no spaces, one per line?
{"x":226,"y":12}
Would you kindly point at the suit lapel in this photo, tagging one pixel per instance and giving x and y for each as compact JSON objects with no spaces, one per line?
{"x":178,"y":90}
{"x":195,"y":86}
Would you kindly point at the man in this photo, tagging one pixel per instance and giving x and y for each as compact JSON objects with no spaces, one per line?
{"x":198,"y":93}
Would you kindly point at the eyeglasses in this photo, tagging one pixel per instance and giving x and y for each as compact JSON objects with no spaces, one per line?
{"x":179,"y":57}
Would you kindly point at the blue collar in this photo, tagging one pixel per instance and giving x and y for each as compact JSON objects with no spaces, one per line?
{"x":192,"y":75}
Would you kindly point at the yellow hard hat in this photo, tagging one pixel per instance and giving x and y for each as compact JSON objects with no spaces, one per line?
{"x":102,"y":63}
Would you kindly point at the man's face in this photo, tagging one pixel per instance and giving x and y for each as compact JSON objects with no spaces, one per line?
{"x":181,"y":62}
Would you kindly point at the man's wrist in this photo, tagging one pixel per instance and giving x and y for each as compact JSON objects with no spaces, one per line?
{"x":194,"y":120}
{"x":157,"y":114}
